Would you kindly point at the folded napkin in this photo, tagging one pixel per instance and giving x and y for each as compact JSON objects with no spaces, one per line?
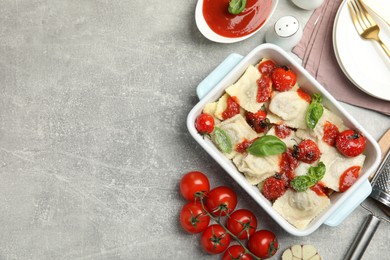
{"x":318,"y":57}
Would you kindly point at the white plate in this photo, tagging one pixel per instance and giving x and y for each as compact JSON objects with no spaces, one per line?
{"x":362,"y":61}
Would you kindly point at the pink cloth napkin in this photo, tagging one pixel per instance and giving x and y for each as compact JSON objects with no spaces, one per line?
{"x":318,"y":57}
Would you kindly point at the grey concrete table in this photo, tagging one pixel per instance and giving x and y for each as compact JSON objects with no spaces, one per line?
{"x":93,"y":142}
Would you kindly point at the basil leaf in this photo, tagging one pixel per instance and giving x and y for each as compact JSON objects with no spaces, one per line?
{"x":314,"y":112}
{"x":222,"y":139}
{"x":318,"y":172}
{"x":267,"y":145}
{"x":236,"y":6}
{"x":303,"y":182}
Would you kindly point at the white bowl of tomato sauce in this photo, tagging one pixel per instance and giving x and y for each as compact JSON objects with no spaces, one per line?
{"x":216,"y":23}
{"x":341,"y":204}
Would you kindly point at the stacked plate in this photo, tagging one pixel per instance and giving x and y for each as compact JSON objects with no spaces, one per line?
{"x":363,"y":61}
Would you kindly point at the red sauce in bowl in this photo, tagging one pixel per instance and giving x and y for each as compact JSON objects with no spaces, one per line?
{"x":222,"y":22}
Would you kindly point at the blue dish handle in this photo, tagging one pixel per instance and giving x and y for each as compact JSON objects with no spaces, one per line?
{"x":350,"y":204}
{"x":218,"y":74}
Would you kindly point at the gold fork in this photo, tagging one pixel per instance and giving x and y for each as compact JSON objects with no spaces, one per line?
{"x":364,"y":24}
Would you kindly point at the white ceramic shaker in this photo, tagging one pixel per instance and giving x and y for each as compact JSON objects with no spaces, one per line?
{"x":286,"y":33}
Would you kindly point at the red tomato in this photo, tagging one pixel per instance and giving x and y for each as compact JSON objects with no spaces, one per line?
{"x":348,"y":178}
{"x":214,"y":239}
{"x":308,"y":151}
{"x":350,"y":143}
{"x":221,"y":201}
{"x":194,"y":184}
{"x":193,"y":218}
{"x":236,"y":252}
{"x":282,"y":131}
{"x":258,"y":121}
{"x":283,"y":79}
{"x":242,"y":223}
{"x":266,"y":67}
{"x":263,"y":244}
{"x":204,"y":123}
{"x":232,"y":108}
{"x":273,"y":188}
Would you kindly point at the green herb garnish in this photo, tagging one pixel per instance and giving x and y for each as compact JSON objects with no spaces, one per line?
{"x":314,"y":112}
{"x":267,"y":145}
{"x":222,"y":139}
{"x":303,"y":182}
{"x":236,"y":6}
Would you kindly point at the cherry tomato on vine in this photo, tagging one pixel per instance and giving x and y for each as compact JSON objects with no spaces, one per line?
{"x":204,"y":123}
{"x":221,"y":201}
{"x":242,"y":223}
{"x":215,"y":240}
{"x":193,"y":218}
{"x":274,"y":187}
{"x":308,"y":151}
{"x":236,"y":252}
{"x":194,"y":184}
{"x":350,"y":143}
{"x":263,"y":244}
{"x":283,"y":79}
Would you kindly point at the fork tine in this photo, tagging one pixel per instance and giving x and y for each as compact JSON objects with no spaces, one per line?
{"x":362,"y":14}
{"x":366,"y":14}
{"x":354,"y":18}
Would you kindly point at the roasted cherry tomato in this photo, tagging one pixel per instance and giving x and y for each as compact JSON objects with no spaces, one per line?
{"x":258,"y":121}
{"x":204,"y":123}
{"x":221,"y":201}
{"x":215,"y":240}
{"x":266,"y":67}
{"x":350,"y":143}
{"x":194,"y":184}
{"x":242,"y":223}
{"x":308,"y":151}
{"x":283,"y":79}
{"x":236,"y":252}
{"x":193,"y":218}
{"x":348,"y":178}
{"x":263,"y":244}
{"x":274,"y":187}
{"x":282,"y":131}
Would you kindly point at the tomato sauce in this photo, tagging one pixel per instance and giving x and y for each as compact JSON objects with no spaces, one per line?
{"x":302,"y":94}
{"x":222,"y":22}
{"x":330,"y":133}
{"x":319,"y":189}
{"x":264,"y":89}
{"x":241,"y":147}
{"x":232,"y":108}
{"x":348,"y":178}
{"x":287,"y":165}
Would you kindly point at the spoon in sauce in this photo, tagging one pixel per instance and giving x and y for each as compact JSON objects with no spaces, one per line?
{"x":217,"y":24}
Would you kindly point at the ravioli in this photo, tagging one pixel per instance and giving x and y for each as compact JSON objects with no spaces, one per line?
{"x":238,"y":130}
{"x":299,"y":208}
{"x":258,"y":168}
{"x":336,"y":164}
{"x":245,"y":90}
{"x":290,"y":107}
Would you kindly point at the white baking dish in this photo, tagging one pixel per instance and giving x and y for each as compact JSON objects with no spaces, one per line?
{"x":228,"y":73}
